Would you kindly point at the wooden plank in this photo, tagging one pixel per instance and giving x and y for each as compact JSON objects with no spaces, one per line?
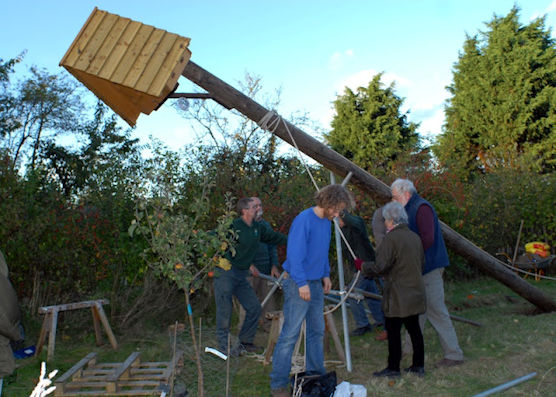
{"x":96,"y":325}
{"x":42,"y":335}
{"x":152,"y":68}
{"x":106,"y":324}
{"x":145,"y":55}
{"x":72,"y":306}
{"x":275,"y":329}
{"x":105,"y":51}
{"x":123,"y":370}
{"x":172,"y":365}
{"x":52,"y":334}
{"x":85,"y":34}
{"x":77,"y":370}
{"x":170,"y":70}
{"x":132,"y":53}
{"x":335,"y":337}
{"x":115,"y":96}
{"x":93,"y":45}
{"x":119,"y":50}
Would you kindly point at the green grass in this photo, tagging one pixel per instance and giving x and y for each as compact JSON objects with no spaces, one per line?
{"x":514,"y":341}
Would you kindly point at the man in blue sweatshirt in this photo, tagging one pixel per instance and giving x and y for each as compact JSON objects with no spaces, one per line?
{"x":307,"y":280}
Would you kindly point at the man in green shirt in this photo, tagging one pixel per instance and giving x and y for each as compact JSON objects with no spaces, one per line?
{"x":233,"y":280}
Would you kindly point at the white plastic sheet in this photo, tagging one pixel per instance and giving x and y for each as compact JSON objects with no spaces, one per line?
{"x":346,"y":389}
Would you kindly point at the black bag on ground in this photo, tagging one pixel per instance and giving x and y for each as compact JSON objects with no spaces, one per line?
{"x":314,"y":384}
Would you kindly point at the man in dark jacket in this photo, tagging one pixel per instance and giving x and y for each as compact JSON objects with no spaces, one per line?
{"x":231,"y":277}
{"x":9,"y":321}
{"x":265,"y":262}
{"x":355,"y":231}
{"x":424,"y":221}
{"x":400,"y":260}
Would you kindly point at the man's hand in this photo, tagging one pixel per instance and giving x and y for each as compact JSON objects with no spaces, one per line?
{"x":274,"y":272}
{"x":254,"y":270}
{"x":305,"y":293}
{"x":326,"y":284}
{"x":358,"y":263}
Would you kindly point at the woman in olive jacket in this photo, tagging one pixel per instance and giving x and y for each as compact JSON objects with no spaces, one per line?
{"x":400,"y":260}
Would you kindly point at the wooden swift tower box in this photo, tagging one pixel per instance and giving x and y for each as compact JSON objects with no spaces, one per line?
{"x":130,"y":66}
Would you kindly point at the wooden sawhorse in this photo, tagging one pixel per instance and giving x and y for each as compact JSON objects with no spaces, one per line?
{"x":277,"y":318}
{"x":50,"y":323}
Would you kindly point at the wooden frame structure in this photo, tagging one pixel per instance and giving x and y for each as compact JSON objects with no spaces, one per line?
{"x":132,"y":67}
{"x":50,"y":323}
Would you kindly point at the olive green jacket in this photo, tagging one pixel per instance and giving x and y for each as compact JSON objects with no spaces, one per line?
{"x":400,"y":260}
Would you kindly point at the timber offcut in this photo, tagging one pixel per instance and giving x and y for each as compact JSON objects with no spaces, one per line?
{"x":130,"y":66}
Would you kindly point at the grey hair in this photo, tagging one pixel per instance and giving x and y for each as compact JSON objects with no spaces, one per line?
{"x":403,"y":186}
{"x":243,"y":204}
{"x":394,"y":212}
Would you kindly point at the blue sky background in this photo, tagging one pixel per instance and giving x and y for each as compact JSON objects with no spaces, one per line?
{"x":309,"y":49}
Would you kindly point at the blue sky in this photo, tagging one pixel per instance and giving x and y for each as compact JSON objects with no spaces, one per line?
{"x":309,"y":49}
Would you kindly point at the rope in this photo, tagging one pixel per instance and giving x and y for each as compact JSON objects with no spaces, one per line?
{"x":270,"y":122}
{"x":266,"y":124}
{"x":517,"y":269}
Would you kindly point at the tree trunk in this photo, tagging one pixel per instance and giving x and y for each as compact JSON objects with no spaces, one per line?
{"x":231,"y":98}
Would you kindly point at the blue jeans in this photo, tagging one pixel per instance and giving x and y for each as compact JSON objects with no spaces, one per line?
{"x":358,"y":308}
{"x":295,"y":311}
{"x":226,"y":285}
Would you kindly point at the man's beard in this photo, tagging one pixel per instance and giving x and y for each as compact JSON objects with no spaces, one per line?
{"x":259,"y":216}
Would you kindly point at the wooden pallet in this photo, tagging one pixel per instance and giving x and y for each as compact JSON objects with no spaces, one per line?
{"x":130,"y":378}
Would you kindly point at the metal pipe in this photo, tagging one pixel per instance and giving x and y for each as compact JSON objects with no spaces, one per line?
{"x":337,"y":236}
{"x":507,"y":385}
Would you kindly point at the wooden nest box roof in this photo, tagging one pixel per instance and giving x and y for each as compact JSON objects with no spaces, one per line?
{"x":130,"y":66}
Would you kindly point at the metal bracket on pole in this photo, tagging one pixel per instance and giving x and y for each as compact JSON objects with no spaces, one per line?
{"x":347,"y":178}
{"x":277,"y":283}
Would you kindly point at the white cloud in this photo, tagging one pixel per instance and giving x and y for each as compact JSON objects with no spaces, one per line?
{"x":538,"y":14}
{"x":337,"y":59}
{"x":432,"y":125}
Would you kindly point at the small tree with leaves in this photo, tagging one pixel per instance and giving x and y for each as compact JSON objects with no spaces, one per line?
{"x":179,"y":248}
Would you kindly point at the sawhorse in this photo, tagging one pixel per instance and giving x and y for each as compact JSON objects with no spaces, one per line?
{"x":277,"y":318}
{"x":50,"y":323}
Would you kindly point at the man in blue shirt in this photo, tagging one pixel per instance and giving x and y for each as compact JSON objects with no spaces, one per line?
{"x":307,"y":280}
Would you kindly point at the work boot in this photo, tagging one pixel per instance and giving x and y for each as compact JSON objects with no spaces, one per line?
{"x":361,"y":330}
{"x":418,"y":371}
{"x":446,"y":362}
{"x":250,"y":347}
{"x":387,"y":372}
{"x":382,"y":335}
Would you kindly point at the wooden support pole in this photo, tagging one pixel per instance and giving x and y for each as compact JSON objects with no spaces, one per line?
{"x":106,"y":325}
{"x":230,"y":98}
{"x":52,"y":333}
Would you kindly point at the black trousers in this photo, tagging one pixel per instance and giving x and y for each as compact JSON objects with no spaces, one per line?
{"x":394,"y":327}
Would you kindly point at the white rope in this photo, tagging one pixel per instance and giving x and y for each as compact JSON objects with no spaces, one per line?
{"x":266,"y":124}
{"x":517,"y":269}
{"x":270,"y":122}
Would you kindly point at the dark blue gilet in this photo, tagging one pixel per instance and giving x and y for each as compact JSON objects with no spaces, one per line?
{"x":436,"y":255}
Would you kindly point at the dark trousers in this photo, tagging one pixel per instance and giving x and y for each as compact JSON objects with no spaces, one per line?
{"x":394,"y":327}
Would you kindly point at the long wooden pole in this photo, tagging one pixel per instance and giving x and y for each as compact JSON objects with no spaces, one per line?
{"x":231,"y":98}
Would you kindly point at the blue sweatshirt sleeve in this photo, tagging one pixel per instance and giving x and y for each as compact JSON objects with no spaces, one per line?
{"x":297,"y":251}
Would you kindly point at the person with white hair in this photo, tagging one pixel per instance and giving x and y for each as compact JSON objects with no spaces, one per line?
{"x":424,"y":221}
{"x":400,"y":259}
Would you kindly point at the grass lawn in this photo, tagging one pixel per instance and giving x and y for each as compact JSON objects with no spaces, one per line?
{"x":514,"y":341}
